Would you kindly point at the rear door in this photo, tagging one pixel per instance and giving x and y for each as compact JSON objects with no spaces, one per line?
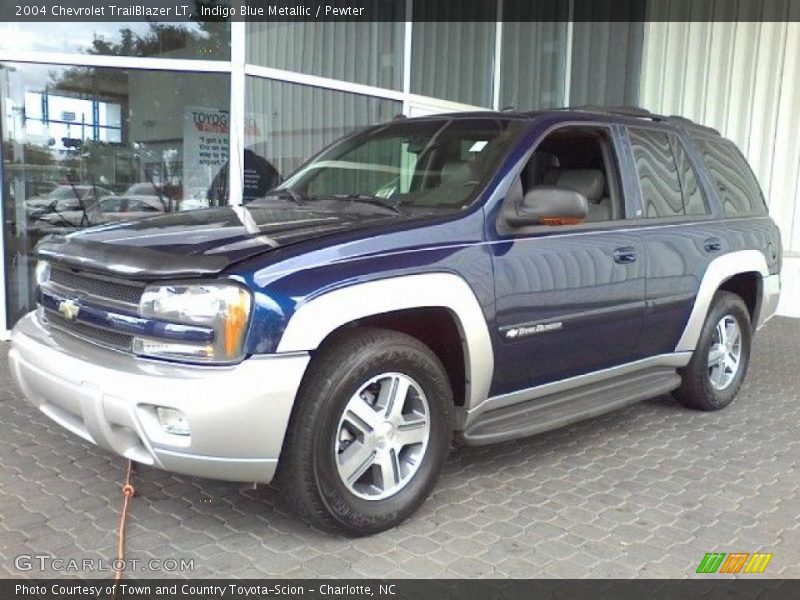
{"x":570,"y":298}
{"x":682,"y":235}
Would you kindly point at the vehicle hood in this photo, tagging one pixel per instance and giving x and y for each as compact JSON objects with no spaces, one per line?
{"x":200,"y":242}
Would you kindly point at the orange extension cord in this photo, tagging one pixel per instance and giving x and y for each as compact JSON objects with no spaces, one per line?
{"x":128,"y":492}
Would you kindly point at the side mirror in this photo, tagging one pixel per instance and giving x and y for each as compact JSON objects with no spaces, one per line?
{"x":548,"y":205}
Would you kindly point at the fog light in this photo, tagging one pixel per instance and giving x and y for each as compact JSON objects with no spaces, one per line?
{"x":172,"y":420}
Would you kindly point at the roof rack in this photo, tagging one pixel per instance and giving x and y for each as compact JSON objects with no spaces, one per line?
{"x":628,"y":111}
{"x":643,"y":113}
{"x":678,"y":120}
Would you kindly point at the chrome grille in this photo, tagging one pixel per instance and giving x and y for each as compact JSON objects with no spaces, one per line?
{"x":112,"y":294}
{"x":97,"y":335}
{"x":103,"y":289}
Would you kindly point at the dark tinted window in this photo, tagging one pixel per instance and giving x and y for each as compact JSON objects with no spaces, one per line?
{"x":694,"y":200}
{"x":658,"y":174}
{"x":737,"y":187}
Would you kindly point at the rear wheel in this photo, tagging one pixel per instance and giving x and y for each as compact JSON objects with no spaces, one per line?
{"x":370,"y":432}
{"x":712,"y":378}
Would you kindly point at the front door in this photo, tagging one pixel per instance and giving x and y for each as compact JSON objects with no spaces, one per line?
{"x":569,"y":298}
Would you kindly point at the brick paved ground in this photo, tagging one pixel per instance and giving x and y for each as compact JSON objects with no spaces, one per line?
{"x":642,"y":492}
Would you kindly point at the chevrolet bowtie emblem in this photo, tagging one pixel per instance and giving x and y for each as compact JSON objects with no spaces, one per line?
{"x":69,"y":309}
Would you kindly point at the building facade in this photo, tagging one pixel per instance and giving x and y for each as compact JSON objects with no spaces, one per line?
{"x":107,"y":121}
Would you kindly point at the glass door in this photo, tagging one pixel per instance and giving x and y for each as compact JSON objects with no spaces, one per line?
{"x":87,"y":146}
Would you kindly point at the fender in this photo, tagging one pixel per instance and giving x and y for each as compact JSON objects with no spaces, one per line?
{"x":313,"y":321}
{"x":719,"y":270}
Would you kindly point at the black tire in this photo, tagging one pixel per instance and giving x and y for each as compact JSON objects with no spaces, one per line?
{"x":696,"y":390}
{"x":307,"y":471}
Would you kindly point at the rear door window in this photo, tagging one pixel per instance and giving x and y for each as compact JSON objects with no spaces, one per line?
{"x":658,"y":174}
{"x":737,"y":186}
{"x":667,"y":178}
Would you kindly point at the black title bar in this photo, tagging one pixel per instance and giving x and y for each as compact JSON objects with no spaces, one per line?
{"x":402,"y":589}
{"x":396,"y":10}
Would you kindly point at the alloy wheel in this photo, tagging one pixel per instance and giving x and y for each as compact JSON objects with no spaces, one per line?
{"x":724,"y":356}
{"x":382,"y":436}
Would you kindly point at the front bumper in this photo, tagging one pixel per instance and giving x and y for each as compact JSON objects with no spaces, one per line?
{"x":237,"y":414}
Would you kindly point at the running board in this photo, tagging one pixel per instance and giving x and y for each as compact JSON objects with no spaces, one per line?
{"x":544,"y":413}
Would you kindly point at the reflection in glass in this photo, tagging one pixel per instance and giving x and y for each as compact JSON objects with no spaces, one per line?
{"x":658,"y":173}
{"x":287,"y":123}
{"x":198,"y":40}
{"x":737,"y":186}
{"x":694,"y":199}
{"x":407,"y":165}
{"x":89,"y":146}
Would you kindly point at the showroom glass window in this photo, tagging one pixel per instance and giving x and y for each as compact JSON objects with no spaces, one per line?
{"x":280,"y":136}
{"x":454,"y":59}
{"x":85,"y":146}
{"x":370,"y":53}
{"x":534,"y":54}
{"x":196,"y":41}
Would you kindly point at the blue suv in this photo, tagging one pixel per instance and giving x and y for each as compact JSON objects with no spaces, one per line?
{"x":474,"y":277}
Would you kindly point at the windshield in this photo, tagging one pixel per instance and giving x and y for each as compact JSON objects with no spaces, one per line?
{"x":434,"y":163}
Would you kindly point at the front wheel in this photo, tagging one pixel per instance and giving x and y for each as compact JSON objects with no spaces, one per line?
{"x":712,"y":378}
{"x":369,"y":434}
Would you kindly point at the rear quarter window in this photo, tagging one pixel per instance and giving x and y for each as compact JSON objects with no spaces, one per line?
{"x":737,"y":186}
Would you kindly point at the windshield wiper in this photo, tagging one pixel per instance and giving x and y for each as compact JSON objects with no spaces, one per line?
{"x":365,"y":199}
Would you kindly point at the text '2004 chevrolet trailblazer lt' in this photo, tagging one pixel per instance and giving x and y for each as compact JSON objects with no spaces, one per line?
{"x":479,"y":276}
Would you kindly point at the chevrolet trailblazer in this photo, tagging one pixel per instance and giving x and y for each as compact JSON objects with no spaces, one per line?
{"x":479,"y":276}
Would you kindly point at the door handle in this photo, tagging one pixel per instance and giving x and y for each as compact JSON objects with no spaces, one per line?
{"x":712,"y":245}
{"x":625,"y":256}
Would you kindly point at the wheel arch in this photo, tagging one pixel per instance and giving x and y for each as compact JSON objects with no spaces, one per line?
{"x":733,"y":272}
{"x":747,"y":286}
{"x":394,"y":303}
{"x":436,"y":327}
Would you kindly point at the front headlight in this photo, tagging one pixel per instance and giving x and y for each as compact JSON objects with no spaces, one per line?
{"x":222,"y":307}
